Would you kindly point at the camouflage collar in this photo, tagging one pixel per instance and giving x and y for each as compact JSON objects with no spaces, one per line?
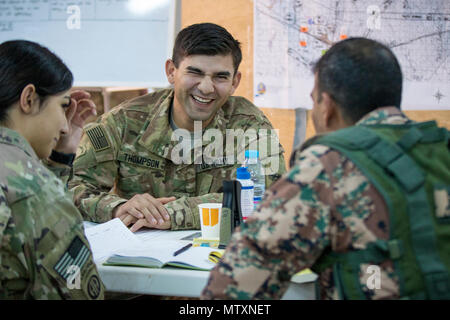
{"x":12,"y":137}
{"x":157,"y":137}
{"x":218,"y":122}
{"x":384,"y":115}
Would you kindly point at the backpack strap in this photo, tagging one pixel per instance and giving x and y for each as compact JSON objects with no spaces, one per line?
{"x":392,"y":158}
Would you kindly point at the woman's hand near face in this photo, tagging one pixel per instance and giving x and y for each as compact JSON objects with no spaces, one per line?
{"x":81,"y":108}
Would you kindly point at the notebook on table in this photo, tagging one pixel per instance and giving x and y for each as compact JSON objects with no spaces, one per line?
{"x":160,"y":255}
{"x":114,"y":244}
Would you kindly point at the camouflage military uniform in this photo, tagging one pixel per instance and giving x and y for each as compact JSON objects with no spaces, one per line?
{"x":42,"y":242}
{"x":129,"y":151}
{"x":323,"y":204}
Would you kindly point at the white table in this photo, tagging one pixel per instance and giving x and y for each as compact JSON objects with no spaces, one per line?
{"x":177,"y":281}
{"x":182,"y":282}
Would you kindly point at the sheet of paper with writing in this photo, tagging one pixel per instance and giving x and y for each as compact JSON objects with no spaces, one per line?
{"x":108,"y":237}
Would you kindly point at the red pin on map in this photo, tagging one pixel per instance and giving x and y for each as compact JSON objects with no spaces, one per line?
{"x":302,"y":41}
{"x":343,"y":33}
{"x":303,"y":29}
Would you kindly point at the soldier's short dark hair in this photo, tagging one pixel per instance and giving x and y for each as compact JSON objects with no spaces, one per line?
{"x":360,"y":75}
{"x":25,"y":62}
{"x":207,"y":39}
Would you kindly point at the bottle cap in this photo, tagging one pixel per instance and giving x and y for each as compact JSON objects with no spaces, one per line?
{"x":251,"y":153}
{"x":242,"y":173}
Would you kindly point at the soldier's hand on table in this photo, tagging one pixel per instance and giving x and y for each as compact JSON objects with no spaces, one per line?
{"x":146,"y":208}
{"x":144,"y":223}
{"x":137,"y":224}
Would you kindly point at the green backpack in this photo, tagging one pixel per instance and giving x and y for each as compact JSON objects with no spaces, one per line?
{"x":410,"y":166}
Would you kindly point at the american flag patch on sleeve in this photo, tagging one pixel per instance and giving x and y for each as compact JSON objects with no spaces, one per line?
{"x":98,"y":138}
{"x":76,"y":255}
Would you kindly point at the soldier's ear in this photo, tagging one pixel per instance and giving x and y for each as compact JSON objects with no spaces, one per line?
{"x":236,"y":81}
{"x":29,"y":99}
{"x":333,"y":117}
{"x":329,"y":110}
{"x":170,"y":71}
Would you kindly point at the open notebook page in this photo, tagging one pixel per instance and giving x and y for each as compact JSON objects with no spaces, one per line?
{"x":163,"y":251}
{"x":106,"y":238}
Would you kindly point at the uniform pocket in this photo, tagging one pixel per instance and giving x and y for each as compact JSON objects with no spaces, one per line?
{"x":204,"y":183}
{"x":212,"y":180}
{"x":139,"y":174}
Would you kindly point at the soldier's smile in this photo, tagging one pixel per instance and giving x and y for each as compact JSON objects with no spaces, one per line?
{"x":201,"y":101}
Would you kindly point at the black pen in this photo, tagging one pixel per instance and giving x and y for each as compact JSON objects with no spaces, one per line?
{"x":182,"y":249}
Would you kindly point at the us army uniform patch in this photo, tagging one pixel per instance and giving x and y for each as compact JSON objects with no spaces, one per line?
{"x":141,"y":161}
{"x":98,"y":138}
{"x":76,"y":255}
{"x":94,"y":287}
{"x":218,"y":163}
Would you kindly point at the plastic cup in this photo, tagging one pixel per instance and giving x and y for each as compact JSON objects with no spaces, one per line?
{"x":210,"y":216}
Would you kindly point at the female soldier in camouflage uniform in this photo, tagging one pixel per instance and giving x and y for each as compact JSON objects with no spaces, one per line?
{"x":43,"y":251}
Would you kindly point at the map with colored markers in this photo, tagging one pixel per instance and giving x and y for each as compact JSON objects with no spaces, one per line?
{"x":291,"y":35}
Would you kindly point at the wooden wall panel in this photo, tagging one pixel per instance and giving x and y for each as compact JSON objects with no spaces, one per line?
{"x":237,"y":17}
{"x":441,"y":117}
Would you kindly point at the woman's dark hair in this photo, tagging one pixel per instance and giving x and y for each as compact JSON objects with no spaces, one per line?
{"x":24,"y":62}
{"x":208,"y":39}
{"x":360,"y":75}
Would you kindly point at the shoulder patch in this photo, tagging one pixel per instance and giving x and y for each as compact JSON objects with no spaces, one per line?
{"x":97,"y":136}
{"x":94,"y":287}
{"x":76,"y":255}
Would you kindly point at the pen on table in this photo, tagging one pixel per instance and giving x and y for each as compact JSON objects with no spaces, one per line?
{"x":182,"y":249}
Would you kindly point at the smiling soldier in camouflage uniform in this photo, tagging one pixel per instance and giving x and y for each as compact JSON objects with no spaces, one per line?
{"x":346,"y":218}
{"x":127,"y":159}
{"x":44,"y":253}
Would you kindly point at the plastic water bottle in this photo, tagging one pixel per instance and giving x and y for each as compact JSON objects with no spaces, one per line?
{"x":243,"y":176}
{"x":256,"y":171}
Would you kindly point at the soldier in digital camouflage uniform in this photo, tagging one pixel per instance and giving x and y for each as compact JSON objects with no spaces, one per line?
{"x":44,"y":253}
{"x":325,"y":206}
{"x":128,"y":154}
